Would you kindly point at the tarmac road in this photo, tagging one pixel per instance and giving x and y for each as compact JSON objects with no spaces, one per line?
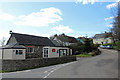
{"x":101,"y":66}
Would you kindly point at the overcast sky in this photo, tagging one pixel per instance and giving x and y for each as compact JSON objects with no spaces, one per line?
{"x":49,"y":18}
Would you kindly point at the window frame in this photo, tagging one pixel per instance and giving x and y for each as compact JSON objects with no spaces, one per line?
{"x":63,"y":52}
{"x":19,"y":52}
{"x":47,"y":51}
{"x":29,"y":51}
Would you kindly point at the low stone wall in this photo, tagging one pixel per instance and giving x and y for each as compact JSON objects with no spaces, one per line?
{"x":15,"y":65}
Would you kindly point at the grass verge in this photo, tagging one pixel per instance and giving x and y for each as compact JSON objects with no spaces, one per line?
{"x":84,"y":55}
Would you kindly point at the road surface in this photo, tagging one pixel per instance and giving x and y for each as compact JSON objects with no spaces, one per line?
{"x":101,"y":66}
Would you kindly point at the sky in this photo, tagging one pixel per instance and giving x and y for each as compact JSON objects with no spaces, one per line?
{"x":48,"y":18}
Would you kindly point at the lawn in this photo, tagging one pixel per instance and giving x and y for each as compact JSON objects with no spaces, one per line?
{"x":84,"y":55}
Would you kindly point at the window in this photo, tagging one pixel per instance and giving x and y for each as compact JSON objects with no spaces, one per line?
{"x":30,"y":50}
{"x":19,"y":52}
{"x":65,"y":52}
{"x":45,"y":52}
{"x":62,"y":52}
{"x":57,"y":51}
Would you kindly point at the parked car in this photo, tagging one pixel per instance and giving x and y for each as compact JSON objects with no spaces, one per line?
{"x":101,"y":46}
{"x":106,"y":47}
{"x":109,"y":47}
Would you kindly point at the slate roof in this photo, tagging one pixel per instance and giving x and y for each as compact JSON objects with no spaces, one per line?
{"x":65,"y":38}
{"x":102,"y":35}
{"x":56,"y":43}
{"x":99,"y":36}
{"x":13,"y":46}
{"x":25,"y":39}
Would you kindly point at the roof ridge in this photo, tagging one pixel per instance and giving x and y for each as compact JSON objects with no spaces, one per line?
{"x":28,"y":35}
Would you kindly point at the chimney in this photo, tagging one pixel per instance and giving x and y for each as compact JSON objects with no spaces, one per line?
{"x":10,"y":32}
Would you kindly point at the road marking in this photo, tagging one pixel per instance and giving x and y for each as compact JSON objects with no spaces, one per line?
{"x":49,"y":70}
{"x":50,"y":73}
{"x":27,"y":70}
{"x":56,"y":68}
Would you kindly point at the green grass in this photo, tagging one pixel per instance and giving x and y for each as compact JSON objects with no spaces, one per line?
{"x":116,"y":47}
{"x":84,"y":55}
{"x":4,"y":71}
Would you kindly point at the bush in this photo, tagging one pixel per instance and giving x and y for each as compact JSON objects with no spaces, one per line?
{"x":82,"y":48}
{"x":111,"y":44}
{"x":95,"y":46}
{"x":117,"y":45}
{"x":95,"y":52}
{"x":88,"y":45}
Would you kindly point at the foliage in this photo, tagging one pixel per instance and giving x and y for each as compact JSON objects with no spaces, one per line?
{"x":95,"y":46}
{"x":88,"y":45}
{"x":117,"y":45}
{"x":95,"y":52}
{"x":116,"y":22}
{"x":80,"y":48}
{"x":77,"y":48}
{"x":108,"y":44}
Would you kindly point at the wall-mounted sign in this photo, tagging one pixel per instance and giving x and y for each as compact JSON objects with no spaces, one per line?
{"x":53,"y":50}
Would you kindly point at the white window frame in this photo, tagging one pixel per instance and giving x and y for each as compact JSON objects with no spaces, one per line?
{"x":46,"y":55}
{"x":18,"y":52}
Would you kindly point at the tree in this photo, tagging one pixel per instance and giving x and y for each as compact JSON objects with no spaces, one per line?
{"x":88,"y":46}
{"x":116,"y":23}
{"x":2,"y":41}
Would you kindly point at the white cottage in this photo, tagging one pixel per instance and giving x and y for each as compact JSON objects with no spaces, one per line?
{"x":102,"y":39}
{"x":12,"y":51}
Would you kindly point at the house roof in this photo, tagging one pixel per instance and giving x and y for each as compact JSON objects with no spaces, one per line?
{"x":13,"y":46}
{"x":66,"y":38}
{"x":25,"y":39}
{"x":103,"y":35}
{"x":55,"y":43}
{"x":99,"y":36}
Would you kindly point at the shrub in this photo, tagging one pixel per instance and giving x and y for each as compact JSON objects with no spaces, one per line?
{"x":88,"y":45}
{"x":108,"y":44}
{"x":95,"y":52}
{"x":95,"y":46}
{"x":117,"y":45}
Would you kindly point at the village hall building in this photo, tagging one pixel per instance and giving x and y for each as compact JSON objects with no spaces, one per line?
{"x":23,"y":46}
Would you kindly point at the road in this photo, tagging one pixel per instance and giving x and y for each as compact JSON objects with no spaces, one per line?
{"x":101,"y":66}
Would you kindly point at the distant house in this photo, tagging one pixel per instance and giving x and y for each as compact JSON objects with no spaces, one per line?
{"x":34,"y":44}
{"x":63,"y":40}
{"x":102,"y":39}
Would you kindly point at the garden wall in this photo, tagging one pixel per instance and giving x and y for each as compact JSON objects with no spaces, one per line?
{"x":15,"y":65}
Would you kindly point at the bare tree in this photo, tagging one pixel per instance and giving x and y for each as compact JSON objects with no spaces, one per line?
{"x":2,"y":41}
{"x":116,"y":22}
